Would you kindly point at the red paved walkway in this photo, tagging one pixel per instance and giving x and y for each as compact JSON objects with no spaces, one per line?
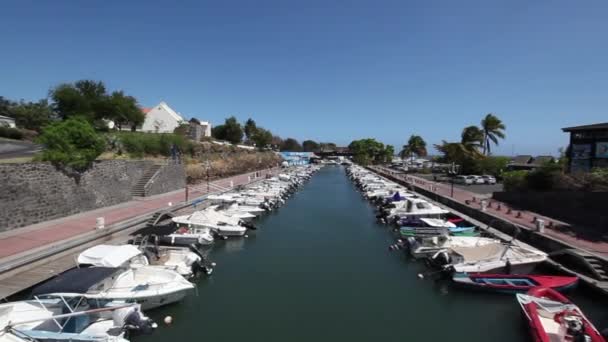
{"x":38,"y":235}
{"x":526,"y":219}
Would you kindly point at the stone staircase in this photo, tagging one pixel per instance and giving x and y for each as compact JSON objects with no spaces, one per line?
{"x":588,"y":263}
{"x":139,"y":190}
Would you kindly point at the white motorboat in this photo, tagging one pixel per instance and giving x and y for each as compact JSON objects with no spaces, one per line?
{"x":213,"y":220}
{"x":51,"y":319}
{"x":150,"y":287}
{"x":510,"y":258}
{"x":429,"y":246}
{"x":414,"y":207}
{"x":180,"y":260}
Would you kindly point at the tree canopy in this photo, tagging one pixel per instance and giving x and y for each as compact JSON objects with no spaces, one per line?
{"x":90,"y":100}
{"x":493,"y":129}
{"x":261,"y":137}
{"x":291,"y":144}
{"x":230,"y":131}
{"x":250,"y":128}
{"x":415,"y":146}
{"x":28,"y":115}
{"x":368,"y":151}
{"x":310,"y":146}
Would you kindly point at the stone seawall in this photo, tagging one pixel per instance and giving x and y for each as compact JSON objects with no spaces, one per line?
{"x":36,"y":192}
{"x":168,"y":178}
{"x":584,"y":208}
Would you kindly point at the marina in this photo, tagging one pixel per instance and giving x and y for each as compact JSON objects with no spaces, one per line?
{"x":305,"y":247}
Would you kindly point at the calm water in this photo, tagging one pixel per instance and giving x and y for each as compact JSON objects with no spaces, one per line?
{"x":319,"y":270}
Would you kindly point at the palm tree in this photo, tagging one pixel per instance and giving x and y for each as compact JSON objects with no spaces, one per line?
{"x":415,"y":146}
{"x":472,"y":138}
{"x":492,"y":128}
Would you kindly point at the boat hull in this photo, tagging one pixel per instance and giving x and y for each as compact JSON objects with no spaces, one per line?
{"x":507,"y":283}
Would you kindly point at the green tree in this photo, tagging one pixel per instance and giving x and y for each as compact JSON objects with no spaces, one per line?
{"x":31,"y":115}
{"x":230,"y":131}
{"x":291,"y":144}
{"x":73,"y":143}
{"x":366,"y":151}
{"x":310,"y":146}
{"x":261,"y":137}
{"x":493,"y":129}
{"x":123,"y":110}
{"x":250,"y":128}
{"x":89,"y":99}
{"x":415,"y":146}
{"x":472,"y":138}
{"x":389,"y":153}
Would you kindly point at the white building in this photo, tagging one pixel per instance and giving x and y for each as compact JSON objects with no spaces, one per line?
{"x":161,"y":119}
{"x":6,"y":121}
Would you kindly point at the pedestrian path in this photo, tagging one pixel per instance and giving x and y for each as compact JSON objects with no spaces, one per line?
{"x":15,"y":242}
{"x":523,"y":218}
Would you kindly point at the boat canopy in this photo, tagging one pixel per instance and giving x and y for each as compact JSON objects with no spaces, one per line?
{"x":76,"y":280}
{"x":108,"y":255}
{"x":160,"y":230}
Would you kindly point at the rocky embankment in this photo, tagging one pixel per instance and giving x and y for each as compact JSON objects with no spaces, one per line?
{"x":224,"y":161}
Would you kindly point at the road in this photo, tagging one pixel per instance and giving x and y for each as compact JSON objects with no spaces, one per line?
{"x":10,"y":149}
{"x":482,"y":189}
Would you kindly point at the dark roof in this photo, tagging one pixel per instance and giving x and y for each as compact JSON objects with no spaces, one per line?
{"x":586,"y":127}
{"x":540,"y":160}
{"x":525,"y":159}
{"x":76,"y":280}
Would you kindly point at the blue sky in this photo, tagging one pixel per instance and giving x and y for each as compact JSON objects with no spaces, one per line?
{"x":328,"y":70}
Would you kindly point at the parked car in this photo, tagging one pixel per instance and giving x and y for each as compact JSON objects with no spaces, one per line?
{"x":464,"y":180}
{"x":489,"y":179}
{"x":477,"y":179}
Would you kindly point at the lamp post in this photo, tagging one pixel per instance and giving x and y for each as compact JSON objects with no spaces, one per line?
{"x":207,"y":167}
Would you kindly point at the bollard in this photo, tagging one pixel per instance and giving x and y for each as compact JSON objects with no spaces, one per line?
{"x":550,"y":224}
{"x":540,"y":226}
{"x":467,"y":202}
{"x":509,"y":211}
{"x":498,"y":207}
{"x":474,"y":199}
{"x":534,"y":219}
{"x":518,"y":214}
{"x":100,"y":223}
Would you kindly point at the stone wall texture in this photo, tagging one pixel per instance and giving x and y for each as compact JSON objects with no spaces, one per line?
{"x":36,"y":192}
{"x":168,"y":178}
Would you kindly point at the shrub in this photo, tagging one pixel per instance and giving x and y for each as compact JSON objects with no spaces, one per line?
{"x":545,"y":178}
{"x":139,"y":144}
{"x":11,"y":133}
{"x":515,"y":180}
{"x":73,"y":143}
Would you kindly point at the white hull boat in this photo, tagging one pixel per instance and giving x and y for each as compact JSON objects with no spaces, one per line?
{"x":148,"y":286}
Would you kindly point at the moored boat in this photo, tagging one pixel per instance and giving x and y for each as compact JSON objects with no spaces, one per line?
{"x":512,"y":283}
{"x":553,"y":317}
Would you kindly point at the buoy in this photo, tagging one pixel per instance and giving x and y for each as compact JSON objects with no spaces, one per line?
{"x":420,"y":275}
{"x":213,"y":264}
{"x":154,"y":325}
{"x":399,"y":241}
{"x":246,"y":235}
{"x":168,"y":320}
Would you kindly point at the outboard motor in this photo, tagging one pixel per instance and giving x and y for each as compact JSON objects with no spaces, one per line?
{"x":202,"y":264}
{"x":136,"y":321}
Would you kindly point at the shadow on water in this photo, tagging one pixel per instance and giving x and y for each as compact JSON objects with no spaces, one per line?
{"x":319,"y":270}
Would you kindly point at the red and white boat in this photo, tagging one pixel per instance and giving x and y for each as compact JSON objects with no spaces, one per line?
{"x":553,"y":317}
{"x":512,"y":283}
